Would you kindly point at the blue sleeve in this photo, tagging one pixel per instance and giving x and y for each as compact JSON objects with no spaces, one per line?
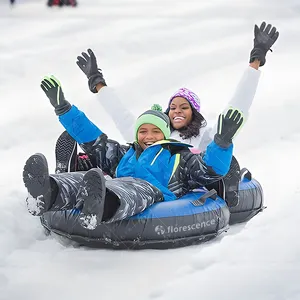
{"x":218,"y":158}
{"x":79,"y":126}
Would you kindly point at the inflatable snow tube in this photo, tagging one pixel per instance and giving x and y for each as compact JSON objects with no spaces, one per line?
{"x":171,"y":224}
{"x":195,"y":218}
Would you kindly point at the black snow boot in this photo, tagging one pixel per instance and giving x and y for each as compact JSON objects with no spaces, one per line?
{"x":38,"y":183}
{"x":231,"y":183}
{"x":65,"y":154}
{"x":92,"y":196}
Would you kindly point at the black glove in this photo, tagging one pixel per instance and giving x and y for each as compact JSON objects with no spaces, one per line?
{"x":83,"y":162}
{"x":88,"y":65}
{"x":228,"y":126}
{"x":52,"y":88}
{"x":264,"y":38}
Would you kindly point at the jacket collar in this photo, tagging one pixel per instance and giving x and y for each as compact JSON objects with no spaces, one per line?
{"x":172,"y":142}
{"x":167,"y":143}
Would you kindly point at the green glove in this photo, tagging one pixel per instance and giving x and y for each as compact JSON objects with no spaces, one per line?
{"x":228,"y":127}
{"x":52,"y":88}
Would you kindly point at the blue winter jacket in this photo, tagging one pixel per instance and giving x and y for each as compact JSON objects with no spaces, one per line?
{"x":168,"y":165}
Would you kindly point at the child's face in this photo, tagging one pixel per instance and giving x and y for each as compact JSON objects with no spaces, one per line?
{"x":149,"y":134}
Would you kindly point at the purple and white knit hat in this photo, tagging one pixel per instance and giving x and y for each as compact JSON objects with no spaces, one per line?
{"x":189,"y":96}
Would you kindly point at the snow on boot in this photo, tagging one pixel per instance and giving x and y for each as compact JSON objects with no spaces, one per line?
{"x":65,"y":154}
{"x":92,"y":195}
{"x":231,"y":183}
{"x":37,"y":181}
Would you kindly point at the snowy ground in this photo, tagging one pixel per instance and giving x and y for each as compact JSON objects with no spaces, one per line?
{"x":147,"y":49}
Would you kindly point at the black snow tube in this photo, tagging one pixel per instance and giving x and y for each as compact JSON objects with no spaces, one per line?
{"x":189,"y":220}
{"x":195,"y":218}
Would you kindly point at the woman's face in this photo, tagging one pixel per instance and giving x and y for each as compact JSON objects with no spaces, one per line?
{"x":180,"y":113}
{"x":149,"y":134}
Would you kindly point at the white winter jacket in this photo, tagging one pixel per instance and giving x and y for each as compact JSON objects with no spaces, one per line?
{"x":242,"y":100}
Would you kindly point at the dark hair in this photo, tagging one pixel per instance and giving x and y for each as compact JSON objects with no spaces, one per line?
{"x":192,"y":129}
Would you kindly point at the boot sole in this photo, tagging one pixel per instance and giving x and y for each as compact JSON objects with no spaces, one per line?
{"x":65,"y":153}
{"x":37,"y":181}
{"x":93,"y":196}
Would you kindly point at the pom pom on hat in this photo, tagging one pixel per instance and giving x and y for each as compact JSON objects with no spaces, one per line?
{"x":156,"y":107}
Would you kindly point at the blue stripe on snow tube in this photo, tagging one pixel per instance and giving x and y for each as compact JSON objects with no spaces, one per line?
{"x":184,"y":206}
{"x":247,"y":184}
{"x":180,"y":207}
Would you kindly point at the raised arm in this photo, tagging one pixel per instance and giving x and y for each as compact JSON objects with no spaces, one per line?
{"x":122,"y":117}
{"x":264,"y":38}
{"x":92,"y":140}
{"x":218,"y":154}
{"x":120,"y":114}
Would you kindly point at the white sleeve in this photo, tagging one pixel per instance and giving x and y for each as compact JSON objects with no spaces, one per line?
{"x":206,"y":138}
{"x":122,"y":117}
{"x":243,"y":96}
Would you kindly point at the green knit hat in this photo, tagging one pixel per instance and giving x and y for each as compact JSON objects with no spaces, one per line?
{"x":156,"y":117}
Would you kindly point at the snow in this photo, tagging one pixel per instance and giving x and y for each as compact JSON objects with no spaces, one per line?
{"x":147,"y":49}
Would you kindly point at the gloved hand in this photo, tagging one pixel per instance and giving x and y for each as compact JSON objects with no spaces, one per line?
{"x":228,"y":126}
{"x":88,"y":65}
{"x":83,"y":162}
{"x":52,"y":88}
{"x":264,"y":38}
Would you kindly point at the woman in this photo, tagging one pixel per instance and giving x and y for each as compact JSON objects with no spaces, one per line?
{"x":184,"y":106}
{"x":152,"y":169}
{"x":187,"y":123}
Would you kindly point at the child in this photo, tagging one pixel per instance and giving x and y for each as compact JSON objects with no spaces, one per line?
{"x":150,"y":170}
